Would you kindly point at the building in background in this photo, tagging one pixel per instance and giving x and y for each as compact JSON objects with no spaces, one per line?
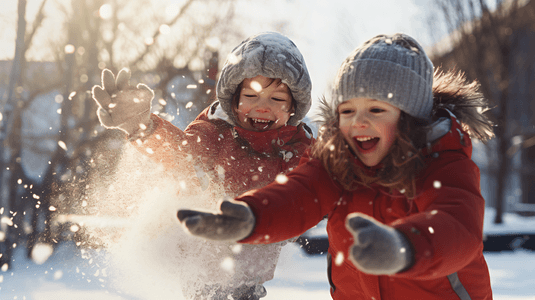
{"x":496,"y":48}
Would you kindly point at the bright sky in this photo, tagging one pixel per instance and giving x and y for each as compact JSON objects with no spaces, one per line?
{"x":325,"y":31}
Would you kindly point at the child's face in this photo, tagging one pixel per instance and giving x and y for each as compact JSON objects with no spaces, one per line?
{"x":264,"y":104}
{"x":369,"y":127}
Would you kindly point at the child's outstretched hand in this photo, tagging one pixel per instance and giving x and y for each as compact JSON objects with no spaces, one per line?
{"x":122,"y":106}
{"x":234,"y":222}
{"x":378,"y":249}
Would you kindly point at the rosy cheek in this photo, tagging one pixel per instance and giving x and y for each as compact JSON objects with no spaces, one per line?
{"x":242,"y":108}
{"x":344,"y":129}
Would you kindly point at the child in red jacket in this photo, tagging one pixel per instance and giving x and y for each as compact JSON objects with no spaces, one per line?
{"x":251,"y":134}
{"x":392,"y":170}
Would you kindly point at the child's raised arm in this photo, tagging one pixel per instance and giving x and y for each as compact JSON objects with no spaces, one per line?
{"x":121,"y":105}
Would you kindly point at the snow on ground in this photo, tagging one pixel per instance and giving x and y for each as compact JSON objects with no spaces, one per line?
{"x":512,"y":223}
{"x":71,"y":275}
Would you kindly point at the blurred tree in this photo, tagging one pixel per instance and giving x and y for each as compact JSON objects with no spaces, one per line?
{"x":490,"y":46}
{"x":52,"y":140}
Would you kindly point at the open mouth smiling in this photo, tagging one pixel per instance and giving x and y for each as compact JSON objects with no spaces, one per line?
{"x":366,"y":143}
{"x":260,"y":124}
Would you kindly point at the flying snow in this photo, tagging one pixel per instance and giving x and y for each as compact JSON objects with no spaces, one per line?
{"x":41,"y":252}
{"x":58,"y":275}
{"x":228,"y":264}
{"x":281,"y":179}
{"x":62,"y":145}
{"x":339,"y":259}
{"x":149,"y":256}
{"x":256,"y":86}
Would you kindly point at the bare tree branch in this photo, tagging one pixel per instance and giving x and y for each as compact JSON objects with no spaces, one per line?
{"x":157,"y":32}
{"x":36,"y":24}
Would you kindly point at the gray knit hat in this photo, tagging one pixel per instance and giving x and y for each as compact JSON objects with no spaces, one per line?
{"x":271,"y":55}
{"x":389,"y":68}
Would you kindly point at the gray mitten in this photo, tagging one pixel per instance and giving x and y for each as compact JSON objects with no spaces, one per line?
{"x":378,"y":249}
{"x":234,"y":222}
{"x":122,"y":106}
{"x":254,"y":292}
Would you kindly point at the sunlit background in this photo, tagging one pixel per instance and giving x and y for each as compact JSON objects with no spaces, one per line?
{"x":65,"y":195}
{"x":324,"y":31}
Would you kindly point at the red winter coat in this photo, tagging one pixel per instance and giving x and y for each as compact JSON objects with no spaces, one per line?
{"x":238,"y":159}
{"x":444,"y":223}
{"x":235,"y":160}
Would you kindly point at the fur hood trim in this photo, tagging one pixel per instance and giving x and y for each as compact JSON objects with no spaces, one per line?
{"x":451,"y":91}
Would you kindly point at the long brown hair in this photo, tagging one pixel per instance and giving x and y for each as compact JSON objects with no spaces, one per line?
{"x":397,"y":170}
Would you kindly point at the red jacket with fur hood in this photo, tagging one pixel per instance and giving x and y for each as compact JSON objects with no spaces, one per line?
{"x":444,"y":222}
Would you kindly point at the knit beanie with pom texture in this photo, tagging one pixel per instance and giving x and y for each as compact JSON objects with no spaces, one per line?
{"x":272,"y":55}
{"x":390,"y":68}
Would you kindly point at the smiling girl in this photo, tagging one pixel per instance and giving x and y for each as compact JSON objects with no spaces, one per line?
{"x":392,"y":170}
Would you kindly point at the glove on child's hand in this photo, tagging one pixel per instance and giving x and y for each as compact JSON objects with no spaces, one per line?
{"x":245,"y":292}
{"x":122,"y":106}
{"x":235,"y":222}
{"x":378,"y":249}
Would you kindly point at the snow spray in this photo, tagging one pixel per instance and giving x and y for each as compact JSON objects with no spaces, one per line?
{"x":149,"y":255}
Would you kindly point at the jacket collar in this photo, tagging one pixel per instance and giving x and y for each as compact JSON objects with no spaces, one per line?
{"x":449,"y":139}
{"x":267,"y":141}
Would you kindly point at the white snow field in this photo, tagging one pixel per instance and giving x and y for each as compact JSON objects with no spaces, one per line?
{"x":69,"y":276}
{"x":74,"y":274}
